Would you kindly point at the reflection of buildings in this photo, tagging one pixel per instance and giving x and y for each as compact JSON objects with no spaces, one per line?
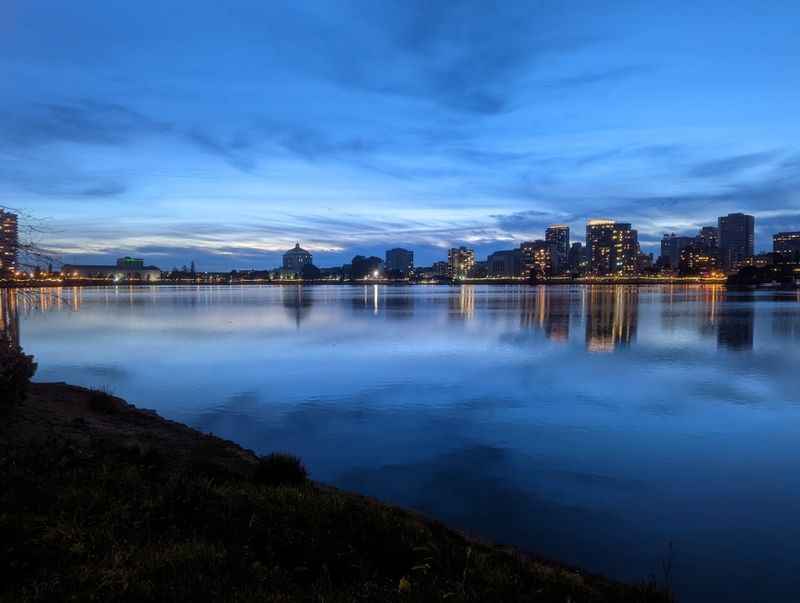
{"x":399,"y":304}
{"x":735,"y":330}
{"x":297,"y":300}
{"x":9,"y":316}
{"x":611,"y":317}
{"x":463,"y":304}
{"x":549,"y":310}
{"x":392,"y":302}
{"x":711,"y":298}
{"x":786,"y":321}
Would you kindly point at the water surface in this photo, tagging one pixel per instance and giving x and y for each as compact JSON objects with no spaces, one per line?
{"x":595,"y":425}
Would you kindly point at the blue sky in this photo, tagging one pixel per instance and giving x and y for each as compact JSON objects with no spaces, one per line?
{"x":225,"y":132}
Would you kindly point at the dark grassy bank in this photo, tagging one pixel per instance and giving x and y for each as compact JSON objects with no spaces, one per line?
{"x":101,"y":501}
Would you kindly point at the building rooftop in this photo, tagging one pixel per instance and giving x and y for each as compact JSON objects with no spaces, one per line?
{"x":297,"y":249}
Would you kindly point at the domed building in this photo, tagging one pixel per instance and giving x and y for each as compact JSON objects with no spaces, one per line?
{"x":296,"y":258}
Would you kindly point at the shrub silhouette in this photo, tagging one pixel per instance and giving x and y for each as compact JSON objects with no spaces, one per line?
{"x":279,"y":469}
{"x":16,"y":370}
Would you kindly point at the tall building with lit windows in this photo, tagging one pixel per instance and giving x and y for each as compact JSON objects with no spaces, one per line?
{"x":540,"y":258}
{"x":612,"y":247}
{"x":9,"y":243}
{"x":736,"y":239}
{"x":786,"y":246}
{"x":558,"y":235}
{"x":599,"y":243}
{"x":671,"y":247}
{"x":399,"y":260}
{"x":460,"y":261}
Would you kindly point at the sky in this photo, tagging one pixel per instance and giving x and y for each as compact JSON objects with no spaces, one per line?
{"x":225,"y":132}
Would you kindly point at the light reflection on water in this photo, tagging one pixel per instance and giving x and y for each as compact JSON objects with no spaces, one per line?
{"x":593,"y":424}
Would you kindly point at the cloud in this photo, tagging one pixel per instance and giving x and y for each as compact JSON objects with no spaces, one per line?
{"x":468,"y":57}
{"x":82,"y":122}
{"x":731,"y":166}
{"x":604,"y":75}
{"x":527,"y":221}
{"x":232,"y":152}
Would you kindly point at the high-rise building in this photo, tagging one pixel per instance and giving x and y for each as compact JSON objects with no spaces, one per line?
{"x":786,"y":246}
{"x":440,"y":268}
{"x":671,"y":247}
{"x":736,"y":239}
{"x":558,"y":235}
{"x":698,"y":259}
{"x":577,"y":261}
{"x":625,"y":257}
{"x":9,"y":243}
{"x":460,"y":261}
{"x":612,"y":247}
{"x":541,"y":258}
{"x":399,"y":260}
{"x":599,"y":243}
{"x":296,"y":258}
{"x":709,"y":237}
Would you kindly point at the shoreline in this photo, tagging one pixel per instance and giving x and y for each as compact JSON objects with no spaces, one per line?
{"x":641,"y":282}
{"x":90,"y":433}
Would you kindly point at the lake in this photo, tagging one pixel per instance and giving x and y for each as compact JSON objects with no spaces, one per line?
{"x":612,"y":427}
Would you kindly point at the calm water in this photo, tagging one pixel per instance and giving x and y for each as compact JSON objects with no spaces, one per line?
{"x":591,"y":424}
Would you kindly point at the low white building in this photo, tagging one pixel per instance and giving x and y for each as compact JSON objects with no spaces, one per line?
{"x":126,"y":269}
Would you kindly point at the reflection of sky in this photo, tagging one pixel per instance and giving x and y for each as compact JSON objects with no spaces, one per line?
{"x":197,"y":130}
{"x":493,"y":408}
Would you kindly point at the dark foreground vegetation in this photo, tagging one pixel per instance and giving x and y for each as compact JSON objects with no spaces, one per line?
{"x":102,"y":501}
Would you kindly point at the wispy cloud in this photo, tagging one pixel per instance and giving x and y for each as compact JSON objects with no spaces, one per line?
{"x":731,"y":166}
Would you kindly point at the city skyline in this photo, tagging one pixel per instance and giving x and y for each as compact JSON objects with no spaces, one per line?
{"x":225,"y":135}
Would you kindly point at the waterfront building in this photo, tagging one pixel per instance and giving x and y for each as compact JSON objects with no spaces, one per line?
{"x":363,"y":267}
{"x":400,"y":261}
{"x":786,"y":246}
{"x":9,"y":243}
{"x":296,"y":258}
{"x":126,"y":269}
{"x":671,"y":247}
{"x":612,"y":247}
{"x":577,"y":260}
{"x":709,"y":237}
{"x":479,"y":269}
{"x":736,"y":239}
{"x":440,"y":268}
{"x":599,"y":243}
{"x":625,"y":256}
{"x":506,"y":263}
{"x":644,"y":262}
{"x":762,"y":260}
{"x":541,"y":258}
{"x":460,"y":261}
{"x":697,"y":259}
{"x":558,"y":235}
